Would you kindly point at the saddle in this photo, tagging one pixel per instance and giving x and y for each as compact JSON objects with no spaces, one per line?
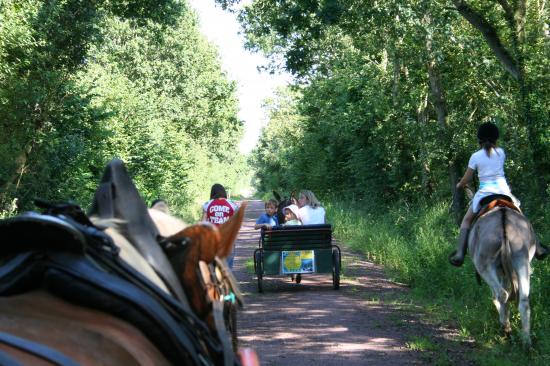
{"x":87,"y":271}
{"x":496,"y":200}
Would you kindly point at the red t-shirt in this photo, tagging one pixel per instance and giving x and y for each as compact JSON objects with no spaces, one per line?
{"x":219,"y":210}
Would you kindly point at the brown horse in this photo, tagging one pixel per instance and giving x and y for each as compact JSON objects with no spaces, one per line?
{"x":502,"y":244}
{"x":91,"y":337}
{"x":51,"y":323}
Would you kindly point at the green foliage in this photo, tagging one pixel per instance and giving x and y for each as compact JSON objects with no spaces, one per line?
{"x":371,"y":122}
{"x":82,"y":82}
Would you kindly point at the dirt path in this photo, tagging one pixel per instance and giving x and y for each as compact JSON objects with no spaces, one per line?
{"x":363,"y":323}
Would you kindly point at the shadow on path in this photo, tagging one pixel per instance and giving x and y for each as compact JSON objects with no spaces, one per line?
{"x":363,"y":323}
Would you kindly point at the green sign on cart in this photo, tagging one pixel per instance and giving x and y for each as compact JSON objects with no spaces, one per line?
{"x":297,"y":261}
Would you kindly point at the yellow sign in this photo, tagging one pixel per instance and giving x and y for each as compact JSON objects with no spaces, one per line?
{"x":298,"y":261}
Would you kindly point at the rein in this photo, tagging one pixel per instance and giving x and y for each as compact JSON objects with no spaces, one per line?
{"x":220,"y":291}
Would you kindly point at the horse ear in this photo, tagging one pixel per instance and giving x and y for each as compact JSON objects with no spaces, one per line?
{"x":229,"y":231}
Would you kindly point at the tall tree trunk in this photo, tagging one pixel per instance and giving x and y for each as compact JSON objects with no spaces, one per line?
{"x":14,"y":179}
{"x":422,"y":117}
{"x":440,"y":106}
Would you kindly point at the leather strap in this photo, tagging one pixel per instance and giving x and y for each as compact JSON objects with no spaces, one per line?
{"x":230,"y":280}
{"x":223,"y":334}
{"x":37,"y":349}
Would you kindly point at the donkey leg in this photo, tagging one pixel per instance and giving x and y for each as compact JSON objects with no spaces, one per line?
{"x":500,"y":298}
{"x":523,"y":304}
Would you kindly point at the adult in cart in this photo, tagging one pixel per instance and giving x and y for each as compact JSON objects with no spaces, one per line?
{"x":311,"y":212}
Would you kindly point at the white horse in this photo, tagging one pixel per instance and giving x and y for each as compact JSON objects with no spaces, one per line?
{"x":502,"y":244}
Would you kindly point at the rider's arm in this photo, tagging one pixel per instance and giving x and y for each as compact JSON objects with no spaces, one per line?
{"x":466,"y":178}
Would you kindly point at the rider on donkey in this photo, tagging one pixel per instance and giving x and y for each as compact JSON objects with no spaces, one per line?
{"x":489,"y":163}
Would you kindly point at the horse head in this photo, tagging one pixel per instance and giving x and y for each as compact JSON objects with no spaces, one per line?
{"x":177,"y":260}
{"x":197,"y":254}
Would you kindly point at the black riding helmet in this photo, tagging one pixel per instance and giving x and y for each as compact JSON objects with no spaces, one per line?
{"x":487,"y":132}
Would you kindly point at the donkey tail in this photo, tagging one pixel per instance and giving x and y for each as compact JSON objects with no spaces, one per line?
{"x":506,"y":259}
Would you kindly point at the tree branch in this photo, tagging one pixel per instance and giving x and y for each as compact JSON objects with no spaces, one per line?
{"x":507,"y":9}
{"x":491,"y":37}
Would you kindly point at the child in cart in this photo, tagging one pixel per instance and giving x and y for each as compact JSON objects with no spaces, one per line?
{"x":268,"y":219}
{"x":291,"y":218}
{"x":291,"y":215}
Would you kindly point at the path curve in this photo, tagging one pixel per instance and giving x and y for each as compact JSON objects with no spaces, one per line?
{"x":363,"y":323}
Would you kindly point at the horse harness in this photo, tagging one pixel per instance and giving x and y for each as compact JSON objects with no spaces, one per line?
{"x":224,"y":296}
{"x":52,"y":250}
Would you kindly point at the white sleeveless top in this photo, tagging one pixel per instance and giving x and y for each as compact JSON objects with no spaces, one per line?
{"x":312,"y":216}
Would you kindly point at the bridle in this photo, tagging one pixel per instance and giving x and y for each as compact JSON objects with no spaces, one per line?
{"x":221,"y":289}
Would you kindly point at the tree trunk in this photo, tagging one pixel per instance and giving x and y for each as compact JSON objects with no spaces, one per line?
{"x":15,"y":178}
{"x":440,"y":106}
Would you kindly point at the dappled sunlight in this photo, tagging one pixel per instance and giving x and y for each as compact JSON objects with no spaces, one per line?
{"x":292,"y":323}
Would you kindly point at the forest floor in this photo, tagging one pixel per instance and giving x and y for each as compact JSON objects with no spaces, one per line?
{"x":370,"y":320}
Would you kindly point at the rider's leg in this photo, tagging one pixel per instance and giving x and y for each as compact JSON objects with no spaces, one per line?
{"x":457,"y":257}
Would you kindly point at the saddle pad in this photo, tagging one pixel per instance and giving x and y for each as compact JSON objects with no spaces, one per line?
{"x":497,"y":203}
{"x":117,"y":197}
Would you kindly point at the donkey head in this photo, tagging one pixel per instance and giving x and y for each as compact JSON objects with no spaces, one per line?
{"x":284,"y":202}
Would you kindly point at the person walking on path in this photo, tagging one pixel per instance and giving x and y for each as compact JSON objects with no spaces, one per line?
{"x":218,"y":210}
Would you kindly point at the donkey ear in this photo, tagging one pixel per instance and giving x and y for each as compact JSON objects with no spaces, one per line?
{"x":229,"y":231}
{"x":277,"y":196}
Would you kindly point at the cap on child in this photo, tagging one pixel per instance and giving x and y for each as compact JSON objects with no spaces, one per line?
{"x":294,"y":209}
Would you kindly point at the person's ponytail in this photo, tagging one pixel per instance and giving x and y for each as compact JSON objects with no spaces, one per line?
{"x":488,"y":146}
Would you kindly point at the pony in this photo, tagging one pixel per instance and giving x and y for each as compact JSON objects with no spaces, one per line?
{"x":502,"y":244}
{"x":45,"y":318}
{"x":284,"y":202}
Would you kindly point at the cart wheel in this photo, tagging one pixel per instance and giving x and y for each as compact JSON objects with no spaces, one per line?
{"x":259,"y":270}
{"x":335,"y":269}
